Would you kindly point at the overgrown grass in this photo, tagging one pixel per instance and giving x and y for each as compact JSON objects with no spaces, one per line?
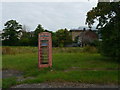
{"x":13,"y":50}
{"x":6,"y":83}
{"x":99,"y":77}
{"x":69,"y":64}
{"x":61,"y":61}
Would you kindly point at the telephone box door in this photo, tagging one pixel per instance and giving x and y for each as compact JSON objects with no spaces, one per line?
{"x":44,"y":50}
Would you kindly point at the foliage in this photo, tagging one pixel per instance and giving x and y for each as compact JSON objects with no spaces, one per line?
{"x":14,"y":36}
{"x":54,"y":40}
{"x":38,"y":30}
{"x":11,"y":32}
{"x":25,"y":39}
{"x":90,"y":49}
{"x":63,"y":37}
{"x":108,"y":16}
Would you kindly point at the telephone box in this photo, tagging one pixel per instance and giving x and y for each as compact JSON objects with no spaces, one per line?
{"x":44,"y":50}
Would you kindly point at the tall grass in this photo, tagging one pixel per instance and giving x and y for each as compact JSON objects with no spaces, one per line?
{"x":6,"y":83}
{"x":13,"y":50}
{"x":6,"y":50}
{"x":73,"y":64}
{"x":99,"y":77}
{"x":61,"y":61}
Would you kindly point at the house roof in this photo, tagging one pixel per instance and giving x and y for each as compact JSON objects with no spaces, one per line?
{"x":89,"y":33}
{"x":75,"y":30}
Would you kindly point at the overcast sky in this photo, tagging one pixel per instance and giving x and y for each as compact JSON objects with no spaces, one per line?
{"x":51,"y":15}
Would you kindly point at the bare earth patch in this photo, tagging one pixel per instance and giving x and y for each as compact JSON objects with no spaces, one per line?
{"x":63,"y":85}
{"x":88,"y":69}
{"x":11,"y":73}
{"x":14,"y":73}
{"x":19,"y":76}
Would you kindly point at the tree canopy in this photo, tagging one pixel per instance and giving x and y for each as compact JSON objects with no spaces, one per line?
{"x":108,"y":16}
{"x":14,"y":34}
{"x":11,"y":32}
{"x":38,"y":30}
{"x":63,"y":37}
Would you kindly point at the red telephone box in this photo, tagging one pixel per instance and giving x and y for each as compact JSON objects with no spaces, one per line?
{"x":44,"y":50}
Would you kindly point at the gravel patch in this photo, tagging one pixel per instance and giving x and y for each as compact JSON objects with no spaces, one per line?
{"x":63,"y":85}
{"x":11,"y":73}
{"x":89,"y":69}
{"x":19,"y":75}
{"x":15,"y":73}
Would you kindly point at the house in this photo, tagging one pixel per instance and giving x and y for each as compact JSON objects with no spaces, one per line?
{"x":87,"y":37}
{"x":75,"y":33}
{"x":83,"y":37}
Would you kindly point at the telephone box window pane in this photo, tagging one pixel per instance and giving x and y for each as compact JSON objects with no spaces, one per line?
{"x":44,"y":50}
{"x":44,"y":57}
{"x":44,"y":42}
{"x":44,"y":60}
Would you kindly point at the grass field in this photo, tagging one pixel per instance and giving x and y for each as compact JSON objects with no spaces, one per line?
{"x":83,"y":65}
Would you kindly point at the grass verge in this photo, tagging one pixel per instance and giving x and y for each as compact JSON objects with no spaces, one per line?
{"x":67,"y":66}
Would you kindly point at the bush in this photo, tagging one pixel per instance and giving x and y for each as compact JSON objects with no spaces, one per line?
{"x":7,"y":50}
{"x":90,"y":49}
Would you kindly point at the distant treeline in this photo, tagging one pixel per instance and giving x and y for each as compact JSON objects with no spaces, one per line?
{"x":15,"y":35}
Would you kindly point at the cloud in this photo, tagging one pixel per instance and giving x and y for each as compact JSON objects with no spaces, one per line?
{"x":52,"y":15}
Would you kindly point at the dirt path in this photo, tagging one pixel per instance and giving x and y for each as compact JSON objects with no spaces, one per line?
{"x":11,"y":73}
{"x":63,"y":85}
{"x":19,"y":75}
{"x":88,"y":69}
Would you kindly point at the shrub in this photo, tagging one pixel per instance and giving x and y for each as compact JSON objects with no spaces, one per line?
{"x":7,"y":50}
{"x":90,"y":49}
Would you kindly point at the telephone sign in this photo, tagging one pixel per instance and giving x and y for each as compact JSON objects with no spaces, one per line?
{"x":44,"y":50}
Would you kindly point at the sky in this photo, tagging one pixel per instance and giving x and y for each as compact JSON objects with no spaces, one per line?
{"x":51,"y":15}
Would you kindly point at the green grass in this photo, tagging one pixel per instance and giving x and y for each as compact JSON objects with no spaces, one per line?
{"x":6,"y":83}
{"x":61,"y":61}
{"x":64,"y":60}
{"x":82,"y":60}
{"x":101,"y":77}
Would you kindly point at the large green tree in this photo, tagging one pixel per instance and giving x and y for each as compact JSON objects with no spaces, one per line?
{"x":38,"y":30}
{"x":25,"y":39}
{"x":63,"y":37}
{"x":11,"y":33}
{"x":108,"y":16}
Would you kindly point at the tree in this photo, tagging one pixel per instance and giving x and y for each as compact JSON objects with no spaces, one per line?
{"x":68,"y":37}
{"x":108,"y":16}
{"x":63,"y":37}
{"x":38,"y":30}
{"x":54,"y":39}
{"x":11,"y":33}
{"x":25,"y":39}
